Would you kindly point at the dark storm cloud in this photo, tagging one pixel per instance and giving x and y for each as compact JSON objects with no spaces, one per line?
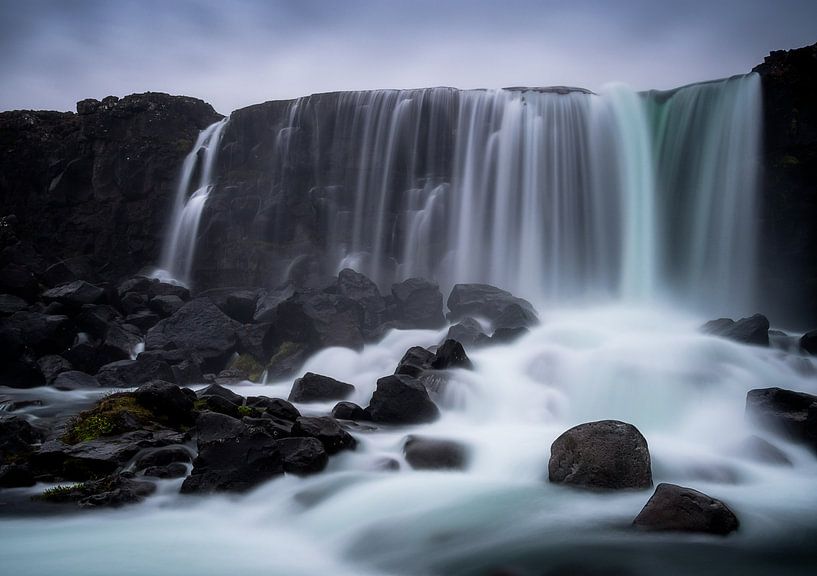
{"x":235,"y":53}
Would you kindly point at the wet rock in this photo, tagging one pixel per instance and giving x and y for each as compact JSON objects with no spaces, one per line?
{"x":451,"y":355}
{"x":418,"y":304}
{"x":128,"y":373}
{"x":362,"y":290}
{"x":317,"y":388}
{"x":679,"y":509}
{"x":240,"y":459}
{"x":9,"y":304}
{"x":349,"y":411}
{"x":200,"y":327}
{"x":219,"y":405}
{"x":134,"y":285}
{"x":415,"y":361}
{"x":752,"y":330}
{"x":167,"y":402}
{"x":19,"y":280}
{"x":69,"y":270}
{"x":793,"y":414}
{"x":16,"y":476}
{"x":175,"y":470}
{"x":275,"y":407}
{"x":44,"y":333}
{"x":144,"y":320}
{"x":268,"y":302}
{"x":75,"y":380}
{"x":157,"y":289}
{"x":327,"y":430}
{"x":212,"y":426}
{"x":165,"y":306}
{"x":109,"y":492}
{"x":400,"y":399}
{"x":52,"y":365}
{"x":764,"y":451}
{"x":424,"y":453}
{"x":237,"y":303}
{"x":74,"y":293}
{"x":287,"y":358}
{"x":808,"y":342}
{"x":469,"y":332}
{"x":221,"y":392}
{"x":163,"y":457}
{"x":119,"y":343}
{"x":133,"y":303}
{"x":303,"y":456}
{"x":95,"y":319}
{"x":500,"y":307}
{"x":607,"y":454}
{"x":187,"y":372}
{"x":17,"y":438}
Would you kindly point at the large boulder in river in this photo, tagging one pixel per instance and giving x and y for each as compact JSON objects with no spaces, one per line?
{"x":808,"y":342}
{"x":326,"y":429}
{"x":200,"y":327}
{"x":423,"y":453}
{"x":679,"y":509}
{"x":502,"y":308}
{"x":359,"y":288}
{"x":793,"y":414}
{"x":400,"y":399}
{"x":751,"y":330}
{"x":418,"y":304}
{"x":318,"y":388}
{"x":607,"y":455}
{"x":451,"y":354}
{"x":74,"y":293}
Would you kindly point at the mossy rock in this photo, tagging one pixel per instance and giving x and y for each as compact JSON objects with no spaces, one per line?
{"x":249,"y":366}
{"x":115,"y":414}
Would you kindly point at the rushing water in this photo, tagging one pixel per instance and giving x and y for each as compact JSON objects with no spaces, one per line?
{"x":684,"y":390}
{"x":179,"y":248}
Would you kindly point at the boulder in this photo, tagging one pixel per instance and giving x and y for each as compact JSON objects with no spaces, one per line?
{"x":43,"y":333}
{"x":109,"y":492}
{"x":362,"y":290}
{"x":174,"y":470}
{"x":128,"y":373}
{"x":167,"y":402}
{"x":158,"y":288}
{"x":326,"y":429}
{"x":144,"y":320}
{"x":317,"y":388}
{"x":240,"y":459}
{"x":752,"y":330}
{"x":75,"y":380}
{"x":418,"y":304}
{"x":16,"y":476}
{"x":679,"y":509}
{"x":17,"y":438}
{"x":468,"y":332}
{"x":808,"y":342}
{"x":451,"y":355}
{"x":165,"y":306}
{"x":95,"y":319}
{"x":69,"y":270}
{"x":793,"y":414}
{"x":268,"y":302}
{"x":303,"y":456}
{"x":74,"y":293}
{"x":211,"y":426}
{"x":200,"y":327}
{"x":608,"y":455}
{"x":221,"y":392}
{"x":162,"y":457}
{"x":424,"y":453}
{"x":415,"y":361}
{"x":500,"y":307}
{"x":349,"y":411}
{"x":51,"y":365}
{"x":275,"y":407}
{"x":237,"y":303}
{"x":18,"y":280}
{"x":400,"y":399}
{"x":119,"y":343}
{"x":9,"y":304}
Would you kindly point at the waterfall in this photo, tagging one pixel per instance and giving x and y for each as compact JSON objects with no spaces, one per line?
{"x":179,"y":247}
{"x":555,"y":194}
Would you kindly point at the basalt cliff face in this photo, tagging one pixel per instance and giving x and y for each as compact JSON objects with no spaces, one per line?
{"x":100,"y":183}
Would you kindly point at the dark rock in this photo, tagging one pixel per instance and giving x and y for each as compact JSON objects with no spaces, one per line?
{"x":187,"y":372}
{"x":349,"y":411}
{"x":165,"y":306}
{"x":219,"y":405}
{"x":275,"y":407}
{"x":212,"y":426}
{"x":136,"y":285}
{"x":9,"y":304}
{"x":174,"y":470}
{"x":327,"y":430}
{"x":109,"y":492}
{"x":74,"y":380}
{"x":415,"y":361}
{"x":17,"y":437}
{"x":69,"y":270}
{"x":467,"y":331}
{"x":21,"y":373}
{"x":52,"y":365}
{"x":74,"y":293}
{"x":133,"y":303}
{"x":317,"y":388}
{"x":674,"y":508}
{"x":303,"y":456}
{"x":607,"y":454}
{"x":763,"y":451}
{"x":268,"y":302}
{"x":793,"y":414}
{"x":120,"y":343}
{"x":197,"y":326}
{"x":163,"y":457}
{"x":287,"y":358}
{"x":418,"y":303}
{"x":44,"y":333}
{"x":16,"y":476}
{"x":752,"y":330}
{"x":95,"y":319}
{"x":236,"y":462}
{"x":808,"y":342}
{"x":359,"y":288}
{"x":237,"y":303}
{"x":434,"y":454}
{"x":166,"y":401}
{"x":451,"y":355}
{"x":502,"y":308}
{"x":128,"y":373}
{"x":18,"y":280}
{"x":221,"y":392}
{"x":143,"y":320}
{"x":159,"y":289}
{"x":401,"y":399}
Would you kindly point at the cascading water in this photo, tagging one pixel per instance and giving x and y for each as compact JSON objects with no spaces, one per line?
{"x":179,"y":247}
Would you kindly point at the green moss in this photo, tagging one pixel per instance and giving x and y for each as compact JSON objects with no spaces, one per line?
{"x":59,"y":493}
{"x":789,"y":160}
{"x":246,"y":411}
{"x":107,"y":418}
{"x":285,"y":350}
{"x":249,"y":365}
{"x":200,"y":404}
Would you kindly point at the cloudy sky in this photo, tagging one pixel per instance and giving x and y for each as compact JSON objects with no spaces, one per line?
{"x":240,"y":52}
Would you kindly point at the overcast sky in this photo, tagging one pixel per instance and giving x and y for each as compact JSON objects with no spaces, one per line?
{"x":233,"y":53}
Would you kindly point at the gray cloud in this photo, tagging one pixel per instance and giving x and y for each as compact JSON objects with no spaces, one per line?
{"x":232,"y":54}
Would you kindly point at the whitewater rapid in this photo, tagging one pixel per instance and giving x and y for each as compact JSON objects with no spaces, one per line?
{"x":651,"y":367}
